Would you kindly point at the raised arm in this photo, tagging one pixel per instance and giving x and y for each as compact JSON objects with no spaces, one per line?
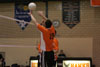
{"x":40,"y":27}
{"x":33,"y":18}
{"x":42,"y":15}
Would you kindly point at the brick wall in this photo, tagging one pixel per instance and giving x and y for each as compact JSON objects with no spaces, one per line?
{"x":96,"y":42}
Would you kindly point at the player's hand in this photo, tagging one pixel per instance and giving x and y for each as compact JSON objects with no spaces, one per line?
{"x":55,"y":51}
{"x":30,"y":13}
{"x":40,"y":13}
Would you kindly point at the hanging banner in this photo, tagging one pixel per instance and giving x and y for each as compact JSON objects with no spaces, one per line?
{"x":71,"y":12}
{"x":21,"y":13}
{"x":95,"y":2}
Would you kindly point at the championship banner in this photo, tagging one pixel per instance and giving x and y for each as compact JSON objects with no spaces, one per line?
{"x":71,"y":12}
{"x":95,"y":2}
{"x":21,"y":13}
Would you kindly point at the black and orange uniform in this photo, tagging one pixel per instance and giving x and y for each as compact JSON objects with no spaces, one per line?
{"x":46,"y":45}
{"x":55,"y":47}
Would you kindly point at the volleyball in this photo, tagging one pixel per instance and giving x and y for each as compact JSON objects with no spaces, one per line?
{"x":32,"y":6}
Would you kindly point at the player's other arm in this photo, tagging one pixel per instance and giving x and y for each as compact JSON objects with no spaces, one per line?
{"x":56,"y":47}
{"x":39,"y":50}
{"x":41,"y":28}
{"x":42,"y":15}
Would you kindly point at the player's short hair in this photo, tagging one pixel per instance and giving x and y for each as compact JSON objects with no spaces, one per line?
{"x":48,"y":23}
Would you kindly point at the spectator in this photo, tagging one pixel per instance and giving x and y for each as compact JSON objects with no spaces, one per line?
{"x":61,"y":54}
{"x":2,"y":61}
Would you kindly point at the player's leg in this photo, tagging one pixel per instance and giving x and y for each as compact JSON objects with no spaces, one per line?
{"x":49,"y":57}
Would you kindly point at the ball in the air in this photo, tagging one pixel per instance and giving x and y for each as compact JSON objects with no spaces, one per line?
{"x":32,"y":6}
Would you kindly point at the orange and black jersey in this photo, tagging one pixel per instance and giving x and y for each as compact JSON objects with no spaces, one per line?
{"x":47,"y":37}
{"x":55,"y":45}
